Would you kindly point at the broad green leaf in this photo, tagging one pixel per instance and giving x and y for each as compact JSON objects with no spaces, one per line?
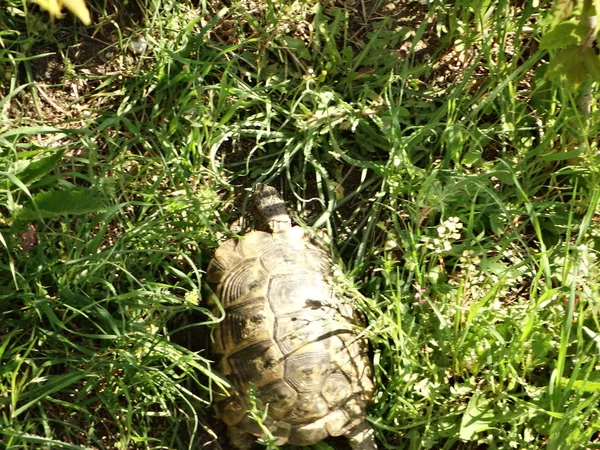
{"x":476,"y":418}
{"x":561,"y":60}
{"x":591,"y":63}
{"x":20,"y":131}
{"x":562,"y":156}
{"x":576,"y":74}
{"x":560,"y":36}
{"x":402,"y":112}
{"x":581,"y":385}
{"x":298,"y":46}
{"x":61,"y":202}
{"x":569,"y":62}
{"x":471,"y":157}
{"x":562,"y":10}
{"x":40,"y":441}
{"x":586,"y":8}
{"x":595,"y":336}
{"x":52,"y":385}
{"x":496,"y":224}
{"x":504,"y":176}
{"x":35,"y":169}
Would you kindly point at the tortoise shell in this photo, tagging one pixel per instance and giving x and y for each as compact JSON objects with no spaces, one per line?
{"x":287,"y":339}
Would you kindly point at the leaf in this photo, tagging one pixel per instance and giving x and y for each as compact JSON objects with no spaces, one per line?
{"x":476,"y":418}
{"x":562,"y":10}
{"x":61,"y":202}
{"x":77,"y":7}
{"x":562,"y":156}
{"x":581,"y":385}
{"x":505,"y":176}
{"x":52,"y":6}
{"x":298,"y":46}
{"x":560,"y":61}
{"x":586,"y":8}
{"x":496,"y":224}
{"x":591,"y":63}
{"x":576,"y":74}
{"x":560,"y":36}
{"x":37,"y":168}
{"x":52,"y":385}
{"x":595,"y":337}
{"x":569,"y":62}
{"x":402,"y":112}
{"x":21,"y":131}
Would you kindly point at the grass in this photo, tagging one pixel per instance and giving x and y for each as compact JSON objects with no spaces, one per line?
{"x":457,"y":183}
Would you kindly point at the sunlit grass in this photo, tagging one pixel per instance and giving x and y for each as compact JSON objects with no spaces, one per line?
{"x":456,"y":182}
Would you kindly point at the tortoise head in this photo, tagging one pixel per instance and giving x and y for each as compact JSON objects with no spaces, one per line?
{"x":269,"y":210}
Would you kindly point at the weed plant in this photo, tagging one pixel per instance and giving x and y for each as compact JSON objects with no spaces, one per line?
{"x":458,"y":184}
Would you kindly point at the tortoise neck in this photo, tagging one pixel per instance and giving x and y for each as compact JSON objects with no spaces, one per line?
{"x":280,"y":223}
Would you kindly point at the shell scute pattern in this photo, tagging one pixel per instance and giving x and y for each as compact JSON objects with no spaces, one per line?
{"x":292,"y":331}
{"x":281,"y":258}
{"x":257,"y":364}
{"x":281,"y":397}
{"x":309,"y":407}
{"x":307,"y":369}
{"x":245,"y":277}
{"x":233,"y":409}
{"x":287,"y":292}
{"x":290,"y":337}
{"x":336,"y":388}
{"x":244,"y":324}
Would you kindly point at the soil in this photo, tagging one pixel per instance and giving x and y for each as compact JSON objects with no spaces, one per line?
{"x":69,"y":72}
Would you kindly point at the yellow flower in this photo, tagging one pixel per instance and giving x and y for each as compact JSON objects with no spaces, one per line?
{"x":77,"y":7}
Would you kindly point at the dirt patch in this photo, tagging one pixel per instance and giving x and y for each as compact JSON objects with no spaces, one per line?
{"x":65,"y":72}
{"x":411,"y":15}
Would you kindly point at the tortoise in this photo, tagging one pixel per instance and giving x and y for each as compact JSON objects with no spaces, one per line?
{"x":288,"y":340}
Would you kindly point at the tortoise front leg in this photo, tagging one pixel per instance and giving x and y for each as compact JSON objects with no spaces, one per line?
{"x":362,"y":437}
{"x":239,"y":440}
